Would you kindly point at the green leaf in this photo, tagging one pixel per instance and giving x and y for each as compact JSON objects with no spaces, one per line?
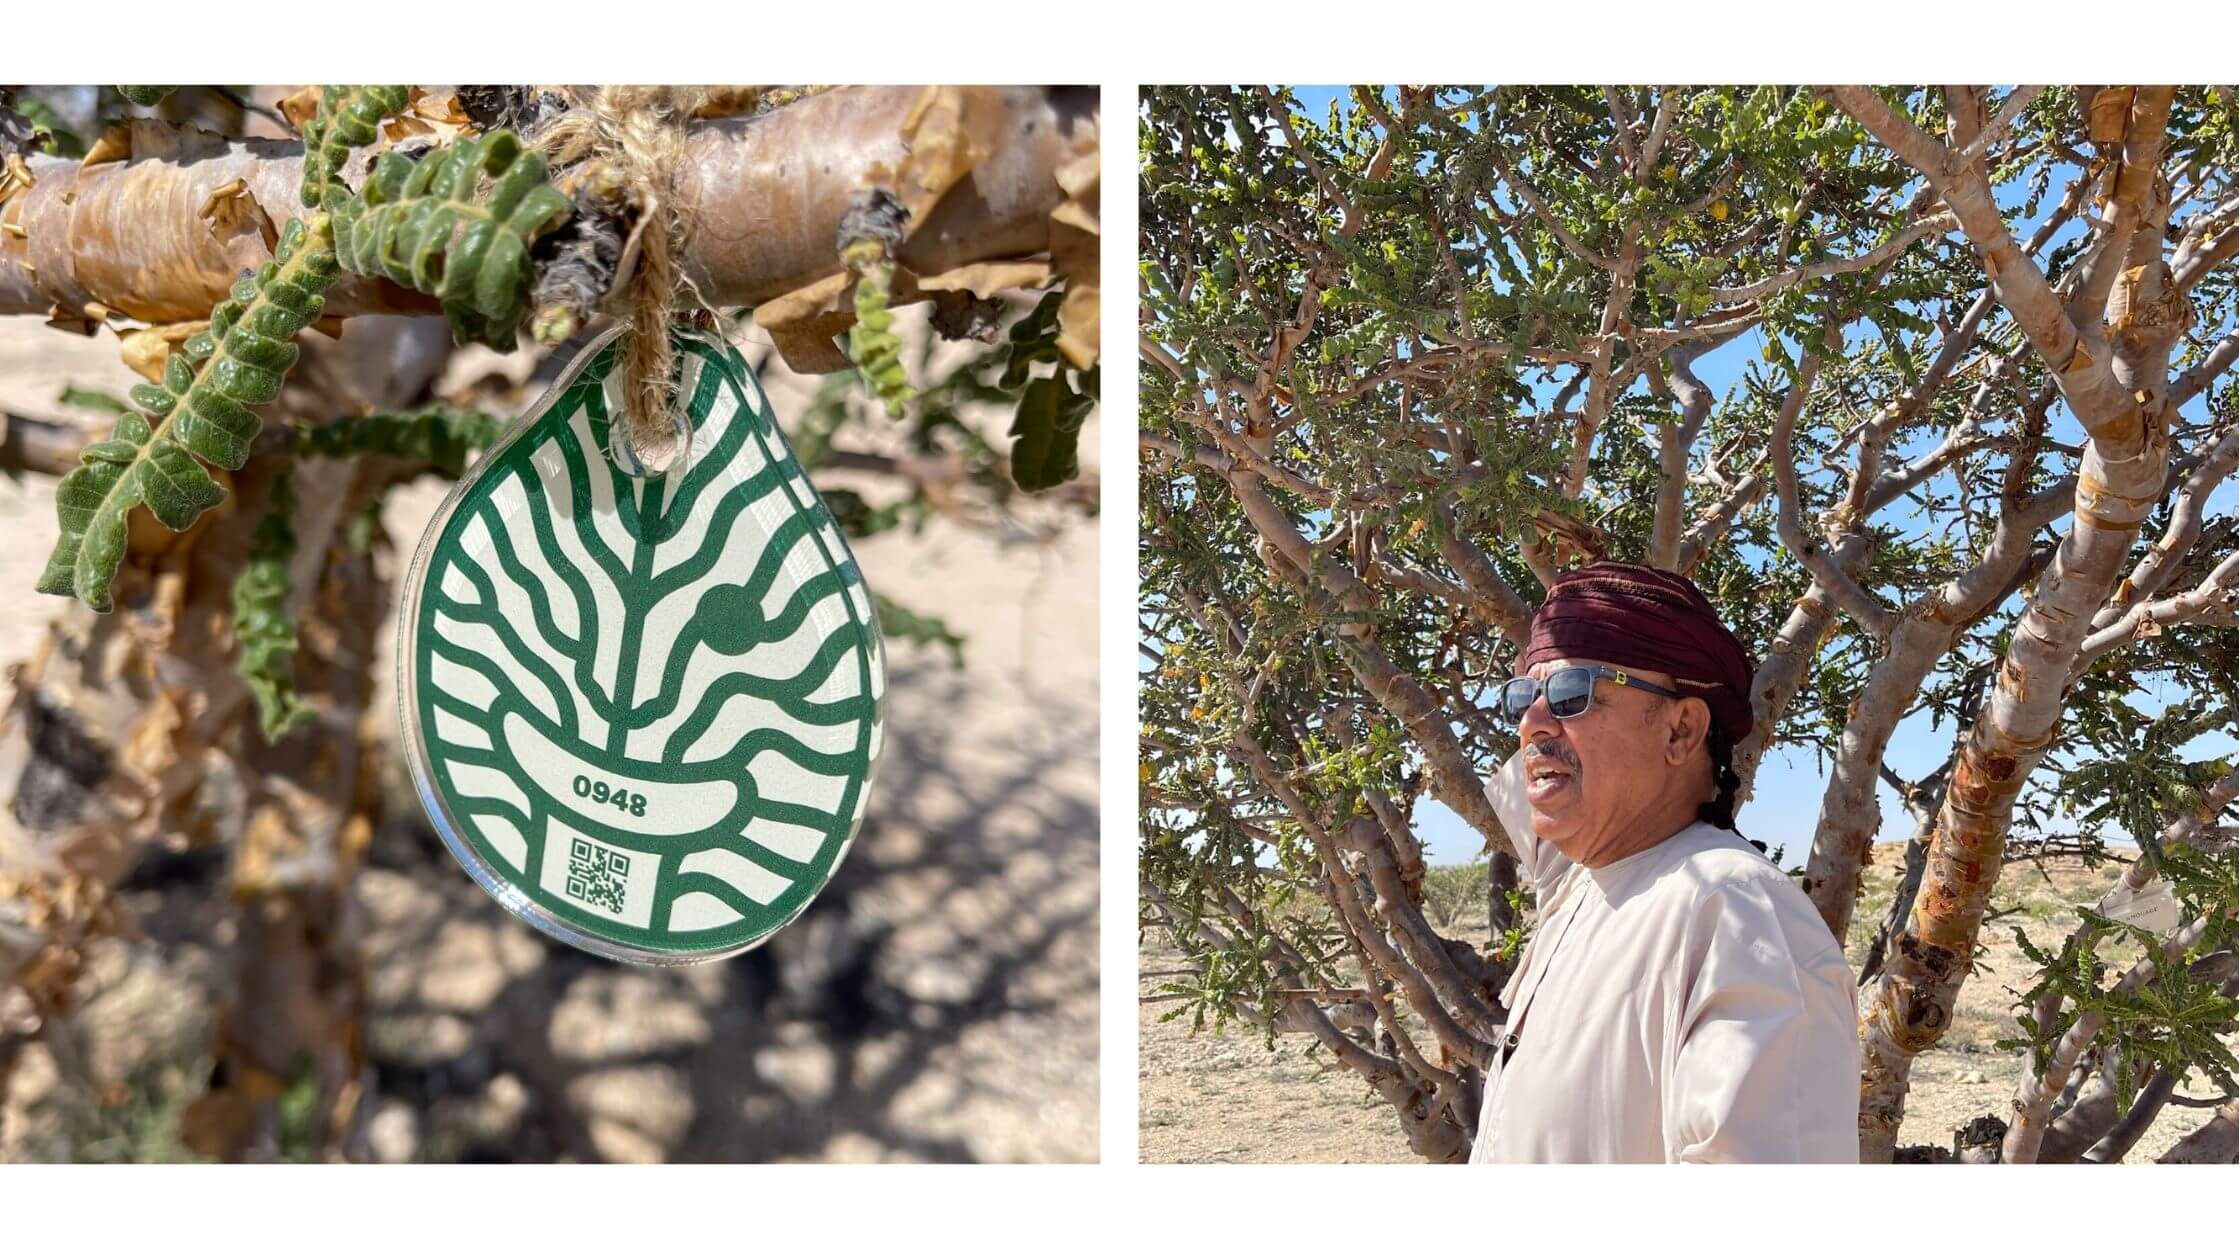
{"x":201,"y":413}
{"x":1033,"y":339}
{"x":436,"y":434}
{"x":264,"y":633}
{"x":458,"y":225}
{"x":872,"y":343}
{"x":347,"y":118}
{"x":856,"y":516}
{"x":924,"y":631}
{"x":93,"y":400}
{"x":56,"y":139}
{"x":145,"y":93}
{"x":1047,"y":427}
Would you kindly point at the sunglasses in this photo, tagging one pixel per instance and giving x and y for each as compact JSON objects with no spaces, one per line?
{"x":1570,"y":691}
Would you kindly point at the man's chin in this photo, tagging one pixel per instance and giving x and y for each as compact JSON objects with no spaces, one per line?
{"x":1554,"y":827}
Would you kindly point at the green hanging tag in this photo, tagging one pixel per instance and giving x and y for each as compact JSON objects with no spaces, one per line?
{"x":642,"y":711}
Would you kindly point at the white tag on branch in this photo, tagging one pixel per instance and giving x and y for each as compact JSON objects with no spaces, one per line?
{"x":2153,"y":908}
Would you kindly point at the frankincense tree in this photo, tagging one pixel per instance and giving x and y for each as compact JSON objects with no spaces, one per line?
{"x":1410,"y":351}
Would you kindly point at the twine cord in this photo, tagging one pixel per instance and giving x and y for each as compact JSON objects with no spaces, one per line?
{"x":637,"y":134}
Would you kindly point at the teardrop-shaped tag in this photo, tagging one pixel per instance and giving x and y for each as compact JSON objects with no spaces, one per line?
{"x":642,"y":712}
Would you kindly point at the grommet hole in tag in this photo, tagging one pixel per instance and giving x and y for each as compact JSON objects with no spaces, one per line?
{"x":628,"y":444}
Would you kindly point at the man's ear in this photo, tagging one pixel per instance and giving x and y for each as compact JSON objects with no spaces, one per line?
{"x":1687,"y":729}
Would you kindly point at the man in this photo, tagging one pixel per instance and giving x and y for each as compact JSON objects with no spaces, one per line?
{"x":1680,"y":1000}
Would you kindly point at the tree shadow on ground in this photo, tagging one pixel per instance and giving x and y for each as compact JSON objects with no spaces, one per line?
{"x":936,"y":1002}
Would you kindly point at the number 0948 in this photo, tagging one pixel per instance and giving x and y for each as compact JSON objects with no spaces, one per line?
{"x":599,"y":793}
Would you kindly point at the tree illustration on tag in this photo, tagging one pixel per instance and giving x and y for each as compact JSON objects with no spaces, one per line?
{"x":643,"y":712}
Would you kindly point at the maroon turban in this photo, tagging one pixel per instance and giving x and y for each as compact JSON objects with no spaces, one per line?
{"x":1643,"y":618}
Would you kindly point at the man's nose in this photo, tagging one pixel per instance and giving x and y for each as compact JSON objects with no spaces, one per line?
{"x":1538,"y":720}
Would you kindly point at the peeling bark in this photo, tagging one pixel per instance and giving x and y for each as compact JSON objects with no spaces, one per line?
{"x":2107,"y":374}
{"x":764,"y":196}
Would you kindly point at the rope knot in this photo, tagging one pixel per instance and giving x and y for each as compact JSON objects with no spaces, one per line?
{"x":633,"y":139}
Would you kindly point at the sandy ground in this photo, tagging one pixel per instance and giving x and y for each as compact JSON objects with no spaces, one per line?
{"x":1230,"y":1098}
{"x":938,"y":1001}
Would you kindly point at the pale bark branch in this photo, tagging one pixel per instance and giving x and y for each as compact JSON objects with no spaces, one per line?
{"x":1499,"y":602}
{"x":1602,"y":389}
{"x":1714,"y":524}
{"x":2018,"y":100}
{"x":1423,"y":993}
{"x":1621,"y":128}
{"x":2100,"y":402}
{"x":1226,"y":461}
{"x":2196,"y":267}
{"x":2130,"y":195}
{"x":2198,"y":377}
{"x":1530,"y":196}
{"x":2217,"y":1142}
{"x":1882,"y":253}
{"x":2212,"y":600}
{"x":1674,"y":441}
{"x":764,"y":195}
{"x":1454,"y":781}
{"x":1158,"y":354}
{"x":2160,"y":564}
{"x":2127,"y":1131}
{"x":1840,"y":586}
{"x":2121,"y":475}
{"x":1667,"y":105}
{"x":1788,"y":660}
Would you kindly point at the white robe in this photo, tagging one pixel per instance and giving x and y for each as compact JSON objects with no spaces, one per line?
{"x":1682,"y":1005}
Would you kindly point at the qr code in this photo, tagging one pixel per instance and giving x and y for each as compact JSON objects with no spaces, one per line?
{"x":596,"y":874}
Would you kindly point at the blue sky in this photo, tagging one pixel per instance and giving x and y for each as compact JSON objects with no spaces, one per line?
{"x":1789,"y":786}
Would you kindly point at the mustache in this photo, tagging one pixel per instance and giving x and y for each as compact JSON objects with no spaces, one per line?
{"x":1552,"y":752}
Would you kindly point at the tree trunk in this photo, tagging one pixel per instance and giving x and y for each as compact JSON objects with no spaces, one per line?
{"x":2113,"y":376}
{"x":2217,"y":1142}
{"x":133,"y":730}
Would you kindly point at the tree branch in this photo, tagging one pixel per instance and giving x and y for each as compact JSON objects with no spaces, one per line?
{"x":1882,"y":253}
{"x":1848,"y":594}
{"x":765,"y":195}
{"x":2100,"y":402}
{"x":2160,"y":564}
{"x":2212,"y":600}
{"x":2035,"y":1098}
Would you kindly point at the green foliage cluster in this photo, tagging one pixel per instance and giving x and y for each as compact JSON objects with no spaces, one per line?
{"x":1046,"y":428}
{"x":1050,"y":409}
{"x":457,"y":224}
{"x":438,"y":435}
{"x":937,"y":424}
{"x":919,"y":629}
{"x":2176,"y":1022}
{"x":872,"y":341}
{"x":264,"y":632}
{"x":28,"y":124}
